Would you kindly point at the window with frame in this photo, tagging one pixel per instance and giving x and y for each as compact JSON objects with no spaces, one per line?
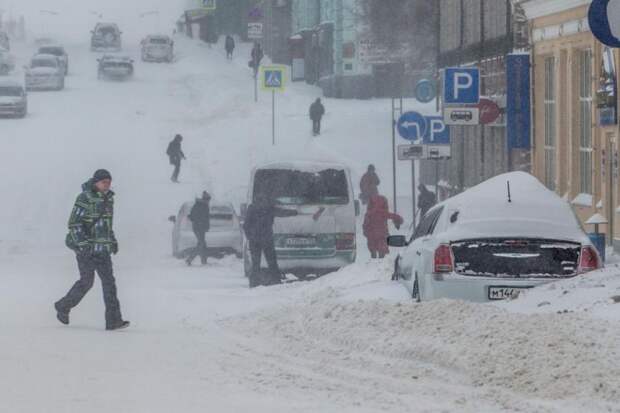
{"x":428,"y":223}
{"x":550,"y":122}
{"x":585,"y":121}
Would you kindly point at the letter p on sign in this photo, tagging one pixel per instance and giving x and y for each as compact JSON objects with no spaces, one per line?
{"x":461,"y":85}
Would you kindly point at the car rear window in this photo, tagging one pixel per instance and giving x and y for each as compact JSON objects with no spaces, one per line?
{"x":516,"y":258}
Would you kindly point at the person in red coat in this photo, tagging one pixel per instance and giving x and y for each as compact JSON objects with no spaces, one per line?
{"x":376,"y":225}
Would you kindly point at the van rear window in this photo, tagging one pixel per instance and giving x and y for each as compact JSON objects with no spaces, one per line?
{"x":293,"y":187}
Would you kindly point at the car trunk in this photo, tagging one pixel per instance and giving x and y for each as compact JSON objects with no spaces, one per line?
{"x":516,"y":258}
{"x":221,"y":221}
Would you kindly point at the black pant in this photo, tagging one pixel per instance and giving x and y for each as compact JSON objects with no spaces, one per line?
{"x":200,"y":248}
{"x":229,"y":54}
{"x":87,"y":265}
{"x":316,"y":126}
{"x":177,"y":170}
{"x":257,"y":248}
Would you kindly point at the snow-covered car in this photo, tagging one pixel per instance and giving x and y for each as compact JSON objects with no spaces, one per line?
{"x":59,"y":52}
{"x":115,"y":67}
{"x":157,"y":48}
{"x":45,"y":72}
{"x":7,"y":62}
{"x":5,"y":42}
{"x":494,"y":240}
{"x":105,"y":37}
{"x":223,"y":238}
{"x":305,"y":246}
{"x":13,"y":99}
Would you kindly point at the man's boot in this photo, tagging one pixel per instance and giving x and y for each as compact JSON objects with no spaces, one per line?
{"x":118,"y":326}
{"x":61,"y":314}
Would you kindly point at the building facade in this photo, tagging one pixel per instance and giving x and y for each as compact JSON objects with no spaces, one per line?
{"x":484,"y":34}
{"x":575,"y":98}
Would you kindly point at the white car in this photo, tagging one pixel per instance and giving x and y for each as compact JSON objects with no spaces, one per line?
{"x":59,"y":52}
{"x":157,"y":48}
{"x":45,"y":72}
{"x":223,"y":238}
{"x":106,"y":37}
{"x":7,"y":62}
{"x":115,"y":67}
{"x":13,"y":99}
{"x":494,"y":240}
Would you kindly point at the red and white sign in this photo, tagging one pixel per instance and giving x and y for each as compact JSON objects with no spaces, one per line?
{"x":489,"y":111}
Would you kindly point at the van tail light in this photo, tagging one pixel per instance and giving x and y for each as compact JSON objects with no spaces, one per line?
{"x":443,"y":259}
{"x":345,"y":241}
{"x":588,"y":260}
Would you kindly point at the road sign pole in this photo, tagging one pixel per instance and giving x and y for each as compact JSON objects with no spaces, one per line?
{"x":413,"y":194}
{"x":394,"y":152}
{"x":255,"y":85}
{"x":273,"y":117}
{"x":437,"y":179}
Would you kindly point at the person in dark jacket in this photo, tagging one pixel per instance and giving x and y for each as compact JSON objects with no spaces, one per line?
{"x":317,"y":110}
{"x":369,"y":185}
{"x":200,"y":217}
{"x":257,"y":56}
{"x":229,"y":44}
{"x":175,"y":154}
{"x":426,"y":200}
{"x":92,"y":239}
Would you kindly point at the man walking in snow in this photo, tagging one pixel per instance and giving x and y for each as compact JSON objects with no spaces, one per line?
{"x":369,"y":185}
{"x":200,"y":217}
{"x":92,"y":238}
{"x":175,"y":154}
{"x":317,"y":110}
{"x":229,"y":44}
{"x":257,"y":56}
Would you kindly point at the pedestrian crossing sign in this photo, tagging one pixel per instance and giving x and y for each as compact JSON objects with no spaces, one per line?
{"x":273,"y":77}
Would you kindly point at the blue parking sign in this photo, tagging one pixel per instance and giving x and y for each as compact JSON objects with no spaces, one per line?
{"x":438,"y":133}
{"x":461,"y":85}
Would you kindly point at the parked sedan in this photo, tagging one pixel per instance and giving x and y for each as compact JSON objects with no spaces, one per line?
{"x":13,"y":99}
{"x":157,"y":48}
{"x":223,"y":238}
{"x":493,"y":241}
{"x":45,"y":72}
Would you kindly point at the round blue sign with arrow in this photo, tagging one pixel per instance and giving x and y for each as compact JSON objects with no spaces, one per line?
{"x":604,"y":21}
{"x":425,"y":91}
{"x":412,"y":126}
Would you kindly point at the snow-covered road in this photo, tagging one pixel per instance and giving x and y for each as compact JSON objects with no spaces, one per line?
{"x":200,"y":340}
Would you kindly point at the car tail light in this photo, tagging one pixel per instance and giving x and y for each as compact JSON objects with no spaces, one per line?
{"x":443,"y":259}
{"x":345,"y":241}
{"x":588,"y":260}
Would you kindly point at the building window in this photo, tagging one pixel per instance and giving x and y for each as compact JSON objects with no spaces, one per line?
{"x":585,"y":121}
{"x":550,"y":123}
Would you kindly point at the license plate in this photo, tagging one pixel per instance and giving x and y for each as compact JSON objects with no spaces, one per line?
{"x":504,"y":293}
{"x":300,"y":242}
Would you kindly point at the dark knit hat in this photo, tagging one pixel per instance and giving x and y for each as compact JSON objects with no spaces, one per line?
{"x":100,"y":175}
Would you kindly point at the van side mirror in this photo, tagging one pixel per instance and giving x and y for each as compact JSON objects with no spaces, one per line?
{"x":358,"y":208}
{"x":397,"y":241}
{"x":172,"y":219}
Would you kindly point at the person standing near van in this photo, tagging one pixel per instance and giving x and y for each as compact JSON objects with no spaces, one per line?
{"x":376,"y":225}
{"x":229,"y":44}
{"x":369,"y":185}
{"x":201,"y":223}
{"x":175,"y":154}
{"x":317,"y":110}
{"x":92,"y":238}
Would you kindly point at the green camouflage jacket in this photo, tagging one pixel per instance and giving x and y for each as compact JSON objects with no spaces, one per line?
{"x":90,"y":224}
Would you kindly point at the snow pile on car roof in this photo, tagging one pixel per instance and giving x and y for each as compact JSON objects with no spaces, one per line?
{"x":528,"y":210}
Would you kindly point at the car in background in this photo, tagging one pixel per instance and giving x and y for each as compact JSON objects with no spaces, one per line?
{"x":5,"y":42}
{"x":59,"y":52}
{"x":115,"y":67}
{"x":157,"y":48}
{"x":106,"y":37}
{"x":493,"y":241}
{"x":306,"y":246}
{"x":223,"y":238}
{"x":7,"y":62}
{"x":13,"y":99}
{"x":45,"y":72}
